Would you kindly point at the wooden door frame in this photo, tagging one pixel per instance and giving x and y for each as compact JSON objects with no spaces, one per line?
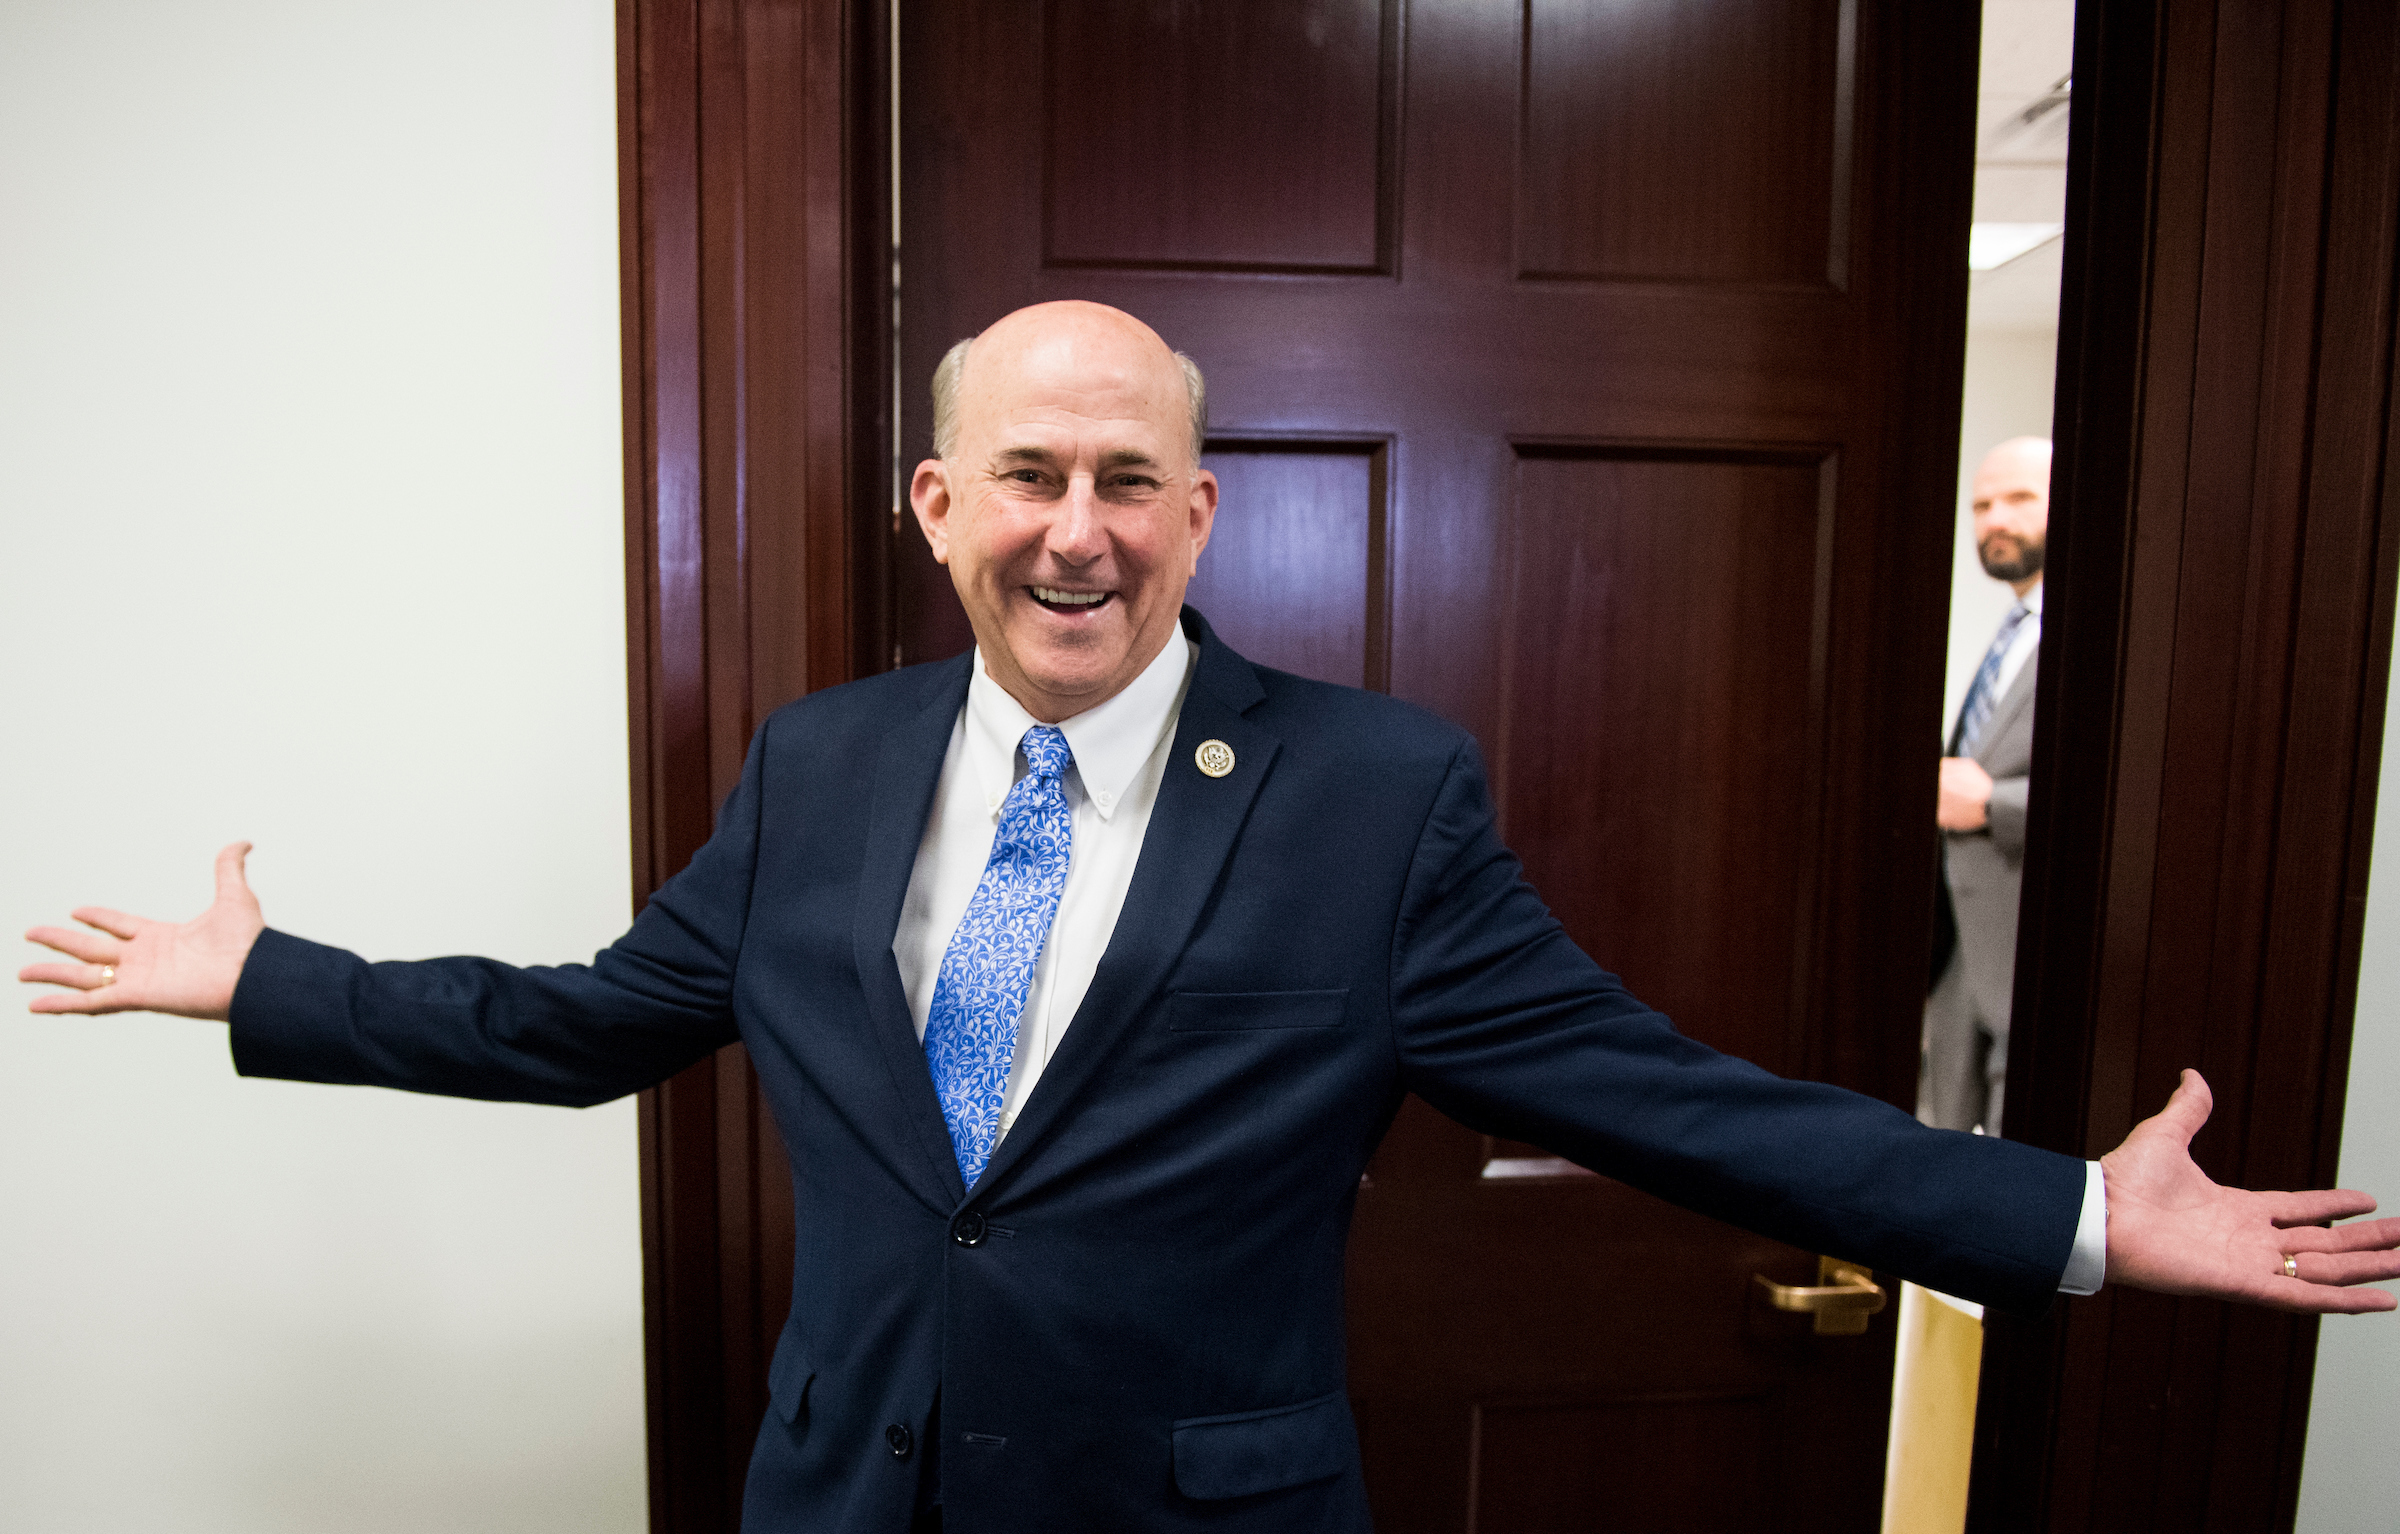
{"x":754,"y":159}
{"x":755,"y":269}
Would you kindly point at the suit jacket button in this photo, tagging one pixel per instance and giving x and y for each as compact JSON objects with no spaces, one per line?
{"x":901,"y":1439}
{"x":967,"y":1229}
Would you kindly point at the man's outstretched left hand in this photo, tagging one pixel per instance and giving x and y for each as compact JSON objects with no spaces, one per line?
{"x":2170,"y":1228}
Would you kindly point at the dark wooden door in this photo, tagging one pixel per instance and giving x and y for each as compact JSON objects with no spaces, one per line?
{"x":1587,"y":373}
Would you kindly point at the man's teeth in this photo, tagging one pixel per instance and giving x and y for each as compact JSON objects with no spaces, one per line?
{"x":1069,"y":598}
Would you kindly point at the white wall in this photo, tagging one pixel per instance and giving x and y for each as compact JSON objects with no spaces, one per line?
{"x":310,"y":519}
{"x":2350,"y":1480}
{"x":2008,"y":387}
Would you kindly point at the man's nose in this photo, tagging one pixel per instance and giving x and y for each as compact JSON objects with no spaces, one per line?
{"x":1077,"y":534}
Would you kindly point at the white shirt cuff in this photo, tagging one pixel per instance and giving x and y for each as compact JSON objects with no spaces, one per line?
{"x":2087,"y":1264}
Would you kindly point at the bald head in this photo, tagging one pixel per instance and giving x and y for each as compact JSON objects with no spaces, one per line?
{"x":2011,"y":505}
{"x":1068,"y":500}
{"x":2022,"y":457}
{"x":1096,"y":327}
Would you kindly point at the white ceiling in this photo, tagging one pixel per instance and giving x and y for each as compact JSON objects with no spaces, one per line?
{"x":2021,"y":168}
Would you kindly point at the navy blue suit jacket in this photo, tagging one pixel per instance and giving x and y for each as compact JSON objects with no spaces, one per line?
{"x":1135,"y":1320}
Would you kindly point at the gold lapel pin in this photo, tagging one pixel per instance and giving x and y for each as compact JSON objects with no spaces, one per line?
{"x":1214,"y":758}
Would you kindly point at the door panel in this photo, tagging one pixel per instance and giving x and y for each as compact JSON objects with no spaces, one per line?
{"x":1566,"y":369}
{"x":1545,"y":1466}
{"x":1682,"y":143}
{"x":1656,"y":693}
{"x":1137,"y":159}
{"x":1295,"y":581}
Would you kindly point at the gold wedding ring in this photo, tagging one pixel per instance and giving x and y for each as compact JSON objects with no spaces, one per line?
{"x":108,"y":975}
{"x":2291,"y":1265}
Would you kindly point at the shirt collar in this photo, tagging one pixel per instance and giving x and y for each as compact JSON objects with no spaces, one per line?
{"x":1110,"y":741}
{"x":2033,"y":599}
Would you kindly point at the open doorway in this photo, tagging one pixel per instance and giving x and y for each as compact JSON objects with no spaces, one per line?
{"x":1996,"y":600}
{"x":2014,"y":259}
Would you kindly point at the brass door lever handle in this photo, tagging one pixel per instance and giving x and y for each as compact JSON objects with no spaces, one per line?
{"x":1842,"y":1298}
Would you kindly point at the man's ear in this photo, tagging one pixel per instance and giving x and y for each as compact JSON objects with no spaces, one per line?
{"x":929,"y":496}
{"x":1204,"y":513}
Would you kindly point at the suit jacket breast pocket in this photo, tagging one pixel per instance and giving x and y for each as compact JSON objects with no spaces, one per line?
{"x":1241,"y":1011}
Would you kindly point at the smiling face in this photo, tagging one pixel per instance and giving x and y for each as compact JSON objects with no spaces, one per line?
{"x":2011,"y":504}
{"x":1070,"y":511}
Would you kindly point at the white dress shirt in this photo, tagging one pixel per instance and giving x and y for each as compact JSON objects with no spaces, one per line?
{"x":1120,"y":751}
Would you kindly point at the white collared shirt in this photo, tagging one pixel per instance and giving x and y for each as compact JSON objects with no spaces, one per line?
{"x":1120,"y":751}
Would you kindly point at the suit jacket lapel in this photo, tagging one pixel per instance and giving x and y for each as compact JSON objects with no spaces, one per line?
{"x":906,"y":772}
{"x":1192,"y":831}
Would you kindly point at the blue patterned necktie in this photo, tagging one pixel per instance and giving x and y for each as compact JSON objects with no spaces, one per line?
{"x":1984,"y":692}
{"x":971,"y":1033}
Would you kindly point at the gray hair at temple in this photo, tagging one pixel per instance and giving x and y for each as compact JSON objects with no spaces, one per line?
{"x":954,"y":362}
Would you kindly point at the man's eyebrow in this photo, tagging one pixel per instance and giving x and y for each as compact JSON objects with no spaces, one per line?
{"x":1119,"y":458}
{"x":1040,"y":455}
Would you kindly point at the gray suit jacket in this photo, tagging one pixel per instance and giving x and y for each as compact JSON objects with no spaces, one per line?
{"x":1986,"y":868}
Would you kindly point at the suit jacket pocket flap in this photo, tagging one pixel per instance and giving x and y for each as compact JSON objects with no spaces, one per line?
{"x":1215,"y":1011}
{"x":788,"y":1377}
{"x":1250,"y":1452}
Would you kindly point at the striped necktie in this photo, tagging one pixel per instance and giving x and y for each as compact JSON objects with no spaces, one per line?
{"x":971,"y":1031}
{"x":1984,"y":693}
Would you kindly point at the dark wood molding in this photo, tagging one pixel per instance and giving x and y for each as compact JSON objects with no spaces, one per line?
{"x":755,"y":271}
{"x":2214,"y":658}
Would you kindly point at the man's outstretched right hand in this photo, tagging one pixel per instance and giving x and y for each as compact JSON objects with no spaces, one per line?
{"x":132,"y":964}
